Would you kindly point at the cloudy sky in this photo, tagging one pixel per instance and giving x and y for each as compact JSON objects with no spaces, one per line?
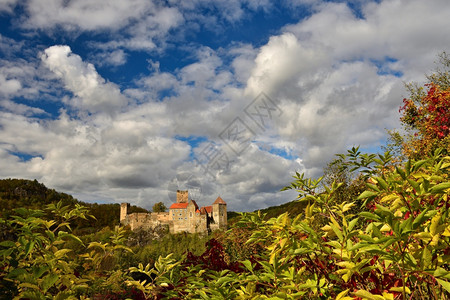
{"x":117,"y":100}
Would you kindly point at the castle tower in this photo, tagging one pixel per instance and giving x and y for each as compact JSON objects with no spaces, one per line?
{"x":191,"y":216}
{"x":123,"y":211}
{"x":220,"y":213}
{"x":182,"y":196}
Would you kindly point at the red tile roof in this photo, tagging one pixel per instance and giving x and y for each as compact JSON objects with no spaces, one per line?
{"x":219,"y":201}
{"x":208,"y":209}
{"x":178,"y":205}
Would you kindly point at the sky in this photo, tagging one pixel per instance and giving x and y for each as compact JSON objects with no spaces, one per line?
{"x":128,"y":101}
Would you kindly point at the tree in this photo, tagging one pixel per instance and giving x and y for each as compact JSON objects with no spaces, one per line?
{"x":159,"y":207}
{"x":426,"y":114}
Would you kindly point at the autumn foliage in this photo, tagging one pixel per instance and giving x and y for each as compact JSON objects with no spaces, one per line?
{"x":429,"y":116}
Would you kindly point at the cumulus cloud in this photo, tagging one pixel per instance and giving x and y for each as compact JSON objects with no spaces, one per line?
{"x":337,"y":74}
{"x":91,"y":91}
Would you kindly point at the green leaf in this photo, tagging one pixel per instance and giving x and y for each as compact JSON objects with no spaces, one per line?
{"x":62,"y":252}
{"x":445,"y":284}
{"x":302,"y":251}
{"x":439,"y":188}
{"x":248,"y":265}
{"x":401,"y":173}
{"x":49,"y":281}
{"x":64,"y":235}
{"x":8,"y":244}
{"x":29,"y":247}
{"x":419,"y":164}
{"x":370,"y":216}
{"x":440,"y":272}
{"x":366,"y":194}
{"x":223,"y":280}
{"x":382,"y":183}
{"x":420,"y":219}
{"x":414,"y":184}
{"x":383,"y":209}
{"x":38,"y":271}
{"x":16,"y":273}
{"x":334,"y":244}
{"x":426,"y":257}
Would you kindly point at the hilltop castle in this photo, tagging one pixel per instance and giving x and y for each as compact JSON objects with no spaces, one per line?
{"x":183,"y":216}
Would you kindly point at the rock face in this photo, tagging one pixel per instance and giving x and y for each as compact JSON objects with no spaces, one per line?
{"x":183,"y":216}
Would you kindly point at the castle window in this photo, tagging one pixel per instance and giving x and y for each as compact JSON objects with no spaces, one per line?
{"x":190,"y":215}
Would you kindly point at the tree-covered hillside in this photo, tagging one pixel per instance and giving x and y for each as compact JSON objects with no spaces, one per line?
{"x":31,"y":194}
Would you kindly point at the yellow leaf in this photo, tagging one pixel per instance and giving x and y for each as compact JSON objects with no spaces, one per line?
{"x":435,"y":223}
{"x":389,"y":198}
{"x":435,"y":240}
{"x":446,"y":231}
{"x":346,"y":277}
{"x":346,"y":264}
{"x":400,"y":289}
{"x":388,"y":296}
{"x":335,"y":223}
{"x":367,"y":295}
{"x":385,"y":228}
{"x":347,"y":206}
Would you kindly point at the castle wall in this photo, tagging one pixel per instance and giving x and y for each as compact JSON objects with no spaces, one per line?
{"x":183,"y":216}
{"x":146,"y":220}
{"x":179,"y":217}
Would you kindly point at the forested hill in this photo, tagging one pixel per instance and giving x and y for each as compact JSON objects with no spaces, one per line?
{"x":293,"y":208}
{"x":15,"y":193}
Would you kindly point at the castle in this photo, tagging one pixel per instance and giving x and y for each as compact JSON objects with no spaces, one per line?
{"x":183,"y":216}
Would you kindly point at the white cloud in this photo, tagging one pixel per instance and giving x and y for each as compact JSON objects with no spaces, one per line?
{"x":84,"y":14}
{"x":113,"y":58}
{"x":21,"y":109}
{"x":7,"y":5}
{"x":333,"y":72}
{"x":9,"y":86}
{"x":280,"y":61}
{"x":92,"y":92}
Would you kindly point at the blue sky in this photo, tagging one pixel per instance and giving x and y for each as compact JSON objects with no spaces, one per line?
{"x":116,"y":100}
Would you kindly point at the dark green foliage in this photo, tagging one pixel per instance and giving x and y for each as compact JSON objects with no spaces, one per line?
{"x":16,"y":193}
{"x":176,"y":244}
{"x":34,"y":195}
{"x":293,"y":208}
{"x":159,"y":207}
